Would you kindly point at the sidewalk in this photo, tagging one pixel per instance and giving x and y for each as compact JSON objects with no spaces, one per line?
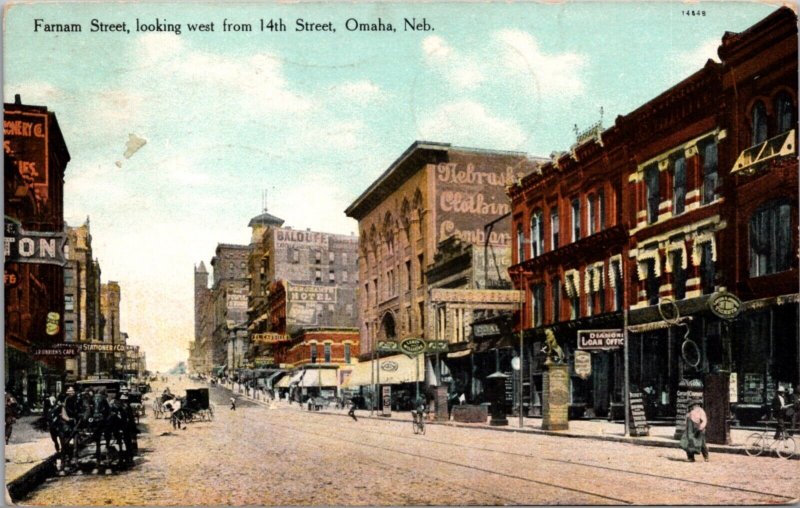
{"x":660,"y":435}
{"x":29,"y":457}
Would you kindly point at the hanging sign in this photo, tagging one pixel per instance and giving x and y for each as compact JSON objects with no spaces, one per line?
{"x":41,"y":247}
{"x":412,"y":347}
{"x":725,"y":305}
{"x":583,"y":364}
{"x":600,"y":339}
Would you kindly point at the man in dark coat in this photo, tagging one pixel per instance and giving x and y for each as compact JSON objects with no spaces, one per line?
{"x":779,"y":407}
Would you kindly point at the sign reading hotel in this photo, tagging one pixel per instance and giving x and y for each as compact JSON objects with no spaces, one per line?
{"x":308,"y":293}
{"x":600,"y":339}
{"x":471,"y":191}
{"x":25,"y":141}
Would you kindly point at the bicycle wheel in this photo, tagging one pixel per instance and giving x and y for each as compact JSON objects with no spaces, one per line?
{"x":754,"y":444}
{"x":785,"y":447}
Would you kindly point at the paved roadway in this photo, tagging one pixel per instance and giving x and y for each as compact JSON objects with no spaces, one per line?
{"x":287,"y":456}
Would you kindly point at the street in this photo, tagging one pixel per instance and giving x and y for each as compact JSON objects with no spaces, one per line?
{"x":283,"y":455}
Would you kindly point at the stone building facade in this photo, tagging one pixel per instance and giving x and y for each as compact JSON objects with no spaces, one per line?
{"x":81,"y":298}
{"x":433,"y":191}
{"x":229,"y":302}
{"x":101,"y":362}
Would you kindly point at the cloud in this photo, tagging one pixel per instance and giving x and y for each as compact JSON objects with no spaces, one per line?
{"x":470,"y":123}
{"x":460,"y":70}
{"x":361,"y":91}
{"x":557,"y":74}
{"x":687,"y":62}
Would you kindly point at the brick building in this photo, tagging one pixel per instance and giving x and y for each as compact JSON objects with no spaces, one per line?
{"x":229,"y":305}
{"x":689,"y":197}
{"x":202,"y":350}
{"x":35,"y":159}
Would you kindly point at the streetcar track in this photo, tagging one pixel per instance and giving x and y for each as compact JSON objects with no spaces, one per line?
{"x":586,"y":465}
{"x":466,"y":466}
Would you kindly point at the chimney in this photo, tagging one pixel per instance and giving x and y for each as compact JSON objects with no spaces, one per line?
{"x":17,"y":99}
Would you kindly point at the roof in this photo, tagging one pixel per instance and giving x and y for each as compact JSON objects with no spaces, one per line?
{"x":266,"y":219}
{"x":202,"y":268}
{"x":405,"y":166}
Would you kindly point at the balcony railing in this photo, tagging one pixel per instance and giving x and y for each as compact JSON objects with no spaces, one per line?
{"x":779,"y":146}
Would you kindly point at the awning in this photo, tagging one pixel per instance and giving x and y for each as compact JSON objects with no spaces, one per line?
{"x":296,"y":377}
{"x":318,"y":377}
{"x":394,"y":370}
{"x":459,"y":354}
{"x":284,"y":382}
{"x":271,"y":379}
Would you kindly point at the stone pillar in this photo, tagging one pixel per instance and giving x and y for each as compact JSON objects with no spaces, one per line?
{"x":440,"y":394}
{"x":555,"y":397}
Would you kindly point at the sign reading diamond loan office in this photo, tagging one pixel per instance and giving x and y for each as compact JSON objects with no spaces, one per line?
{"x":600,"y":339}
{"x":21,"y":246}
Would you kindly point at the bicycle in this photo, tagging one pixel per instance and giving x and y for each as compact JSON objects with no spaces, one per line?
{"x":418,"y":421}
{"x":756,"y":443}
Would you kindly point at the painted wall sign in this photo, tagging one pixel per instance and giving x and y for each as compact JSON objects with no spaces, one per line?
{"x":53,"y":319}
{"x":10,"y":278}
{"x":390,"y":366}
{"x":388,"y":346}
{"x":600,"y":339}
{"x":26,"y":141}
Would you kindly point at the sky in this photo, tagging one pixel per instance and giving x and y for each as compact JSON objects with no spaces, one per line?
{"x":313,"y":118}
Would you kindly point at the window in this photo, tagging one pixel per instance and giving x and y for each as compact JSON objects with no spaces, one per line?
{"x":537,"y":234}
{"x":347,"y":353}
{"x":616,"y":268}
{"x":331,"y":276}
{"x":421,"y":260}
{"x":555,"y":299}
{"x":375,"y":289}
{"x":422,"y":316}
{"x":390,"y":280}
{"x":590,"y":211}
{"x":295,"y":256}
{"x":537,"y":310}
{"x":759,"y":123}
{"x":710,"y":174}
{"x":366,"y":292}
{"x":520,"y":244}
{"x":652,"y":282}
{"x":344,"y":258}
{"x":318,"y":257}
{"x":331,"y":257}
{"x":554,"y":227}
{"x":574,"y":306}
{"x":69,"y":277}
{"x":770,"y":239}
{"x":349,"y":310}
{"x":678,"y":275}
{"x":576,"y":220}
{"x":678,"y":185}
{"x":601,"y":209}
{"x":69,"y":302}
{"x":651,"y":175}
{"x":69,"y":331}
{"x":345,"y":276}
{"x":313,"y":353}
{"x":318,"y":275}
{"x":707,"y":272}
{"x":327,"y":353}
{"x":408,"y":275}
{"x":784,"y":112}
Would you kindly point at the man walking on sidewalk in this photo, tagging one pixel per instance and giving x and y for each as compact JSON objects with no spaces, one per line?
{"x":694,"y":437}
{"x":352,"y":412}
{"x":233,"y":404}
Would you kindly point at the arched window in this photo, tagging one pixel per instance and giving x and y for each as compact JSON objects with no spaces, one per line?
{"x":759,"y":123}
{"x":771,"y":238}
{"x":537,"y":234}
{"x":520,"y":244}
{"x":784,"y":112}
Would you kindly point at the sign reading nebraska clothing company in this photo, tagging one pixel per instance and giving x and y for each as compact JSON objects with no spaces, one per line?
{"x":600,"y":339}
{"x":41,"y":247}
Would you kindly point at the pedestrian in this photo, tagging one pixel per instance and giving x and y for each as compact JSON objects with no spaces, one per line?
{"x":352,"y":412}
{"x":694,"y":437}
{"x":11,"y":414}
{"x":779,"y":407}
{"x":795,"y":409}
{"x":233,"y":404}
{"x":311,"y":403}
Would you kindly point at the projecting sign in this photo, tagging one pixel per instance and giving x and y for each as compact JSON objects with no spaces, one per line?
{"x":21,"y":246}
{"x":412,"y":346}
{"x":583,"y":364}
{"x":725,"y":305}
{"x":600,"y":339}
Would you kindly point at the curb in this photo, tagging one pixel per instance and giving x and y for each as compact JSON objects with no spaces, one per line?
{"x":32,"y":478}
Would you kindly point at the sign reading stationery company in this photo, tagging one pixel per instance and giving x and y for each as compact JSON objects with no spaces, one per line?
{"x":470,"y":191}
{"x":25,"y":141}
{"x":600,"y":339}
{"x":21,"y":246}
